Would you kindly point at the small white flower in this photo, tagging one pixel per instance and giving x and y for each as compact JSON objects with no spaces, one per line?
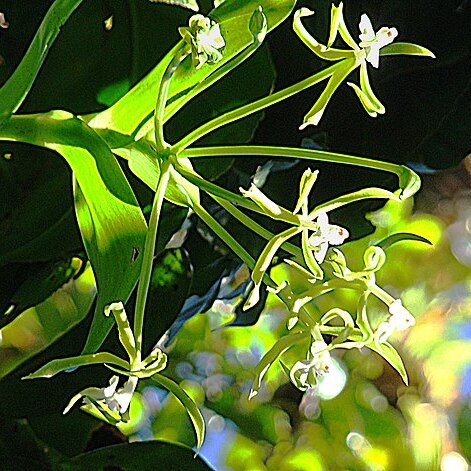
{"x":401,"y":319}
{"x":205,"y":38}
{"x":304,"y":374}
{"x":372,"y":42}
{"x":108,"y":397}
{"x":326,"y":234}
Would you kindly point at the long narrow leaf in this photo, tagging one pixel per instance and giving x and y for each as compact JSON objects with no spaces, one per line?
{"x":56,"y":366}
{"x":188,"y":404}
{"x":15,"y":90}
{"x":110,"y":220}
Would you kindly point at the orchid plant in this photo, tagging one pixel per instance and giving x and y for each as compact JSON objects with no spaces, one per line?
{"x":114,"y":230}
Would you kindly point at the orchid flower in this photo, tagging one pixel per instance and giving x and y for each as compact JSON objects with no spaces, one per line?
{"x":305,"y":374}
{"x":109,"y":399}
{"x":316,"y":232}
{"x":204,"y":37}
{"x":399,"y":320}
{"x":366,"y":51}
{"x":326,"y":235}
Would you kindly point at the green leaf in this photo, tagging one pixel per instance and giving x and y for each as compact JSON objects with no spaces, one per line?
{"x":15,"y":90}
{"x":39,"y":222}
{"x":56,"y":366}
{"x":389,"y":353}
{"x":407,"y":49}
{"x":190,"y":4}
{"x":22,"y":449}
{"x":26,"y":285}
{"x":188,"y":403}
{"x":135,"y":107}
{"x":402,"y":236}
{"x":110,"y":94}
{"x":145,"y":456}
{"x":110,"y":220}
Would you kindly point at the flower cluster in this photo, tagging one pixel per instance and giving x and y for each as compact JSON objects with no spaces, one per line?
{"x":323,"y":267}
{"x":370,"y":46}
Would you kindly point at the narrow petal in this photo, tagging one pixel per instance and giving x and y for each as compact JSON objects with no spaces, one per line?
{"x":306,"y":183}
{"x":366,"y":87}
{"x":320,"y":50}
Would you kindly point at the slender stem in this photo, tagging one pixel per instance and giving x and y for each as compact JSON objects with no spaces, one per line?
{"x":162,"y":97}
{"x":293,"y":153}
{"x":240,"y":251}
{"x":148,"y":256}
{"x":254,"y":107}
{"x":228,"y":195}
{"x":255,"y":226}
{"x":409,"y":181}
{"x":224,"y":235}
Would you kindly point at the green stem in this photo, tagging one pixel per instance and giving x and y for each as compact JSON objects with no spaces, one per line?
{"x":162,"y":97}
{"x":254,"y":226}
{"x":215,"y":190}
{"x":290,"y":152}
{"x":240,"y":251}
{"x":148,"y":256}
{"x":224,"y":235}
{"x":254,"y":107}
{"x":409,"y":181}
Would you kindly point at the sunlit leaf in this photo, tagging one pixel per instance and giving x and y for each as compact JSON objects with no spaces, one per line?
{"x":14,"y":91}
{"x":110,"y":219}
{"x":26,"y":285}
{"x":188,"y":403}
{"x":62,"y":364}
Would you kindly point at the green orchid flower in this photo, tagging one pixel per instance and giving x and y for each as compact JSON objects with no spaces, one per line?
{"x":317,"y":234}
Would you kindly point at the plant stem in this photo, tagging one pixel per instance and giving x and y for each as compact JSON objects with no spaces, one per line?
{"x":409,"y":181}
{"x":224,"y":235}
{"x":254,"y":107}
{"x":240,"y":251}
{"x":148,"y":256}
{"x":162,"y":98}
{"x":292,"y":153}
{"x":254,"y":226}
{"x":213,"y":189}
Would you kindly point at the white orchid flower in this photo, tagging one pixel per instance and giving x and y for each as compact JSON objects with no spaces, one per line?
{"x":108,"y":398}
{"x":372,"y":42}
{"x":400,"y":320}
{"x":305,"y":374}
{"x":326,"y":235}
{"x":205,"y":38}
